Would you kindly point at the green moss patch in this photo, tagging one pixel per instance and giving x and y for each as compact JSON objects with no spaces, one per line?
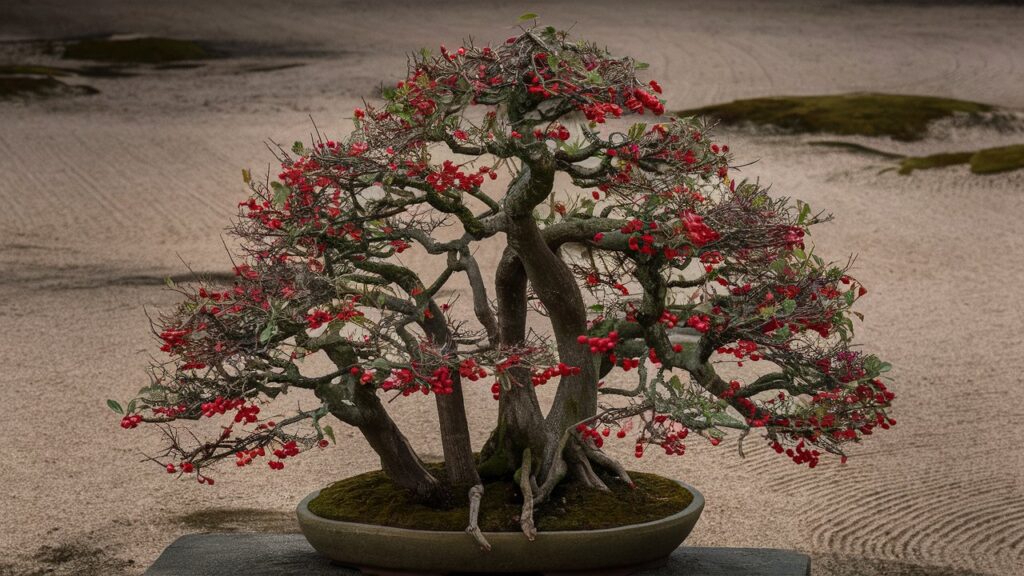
{"x":995,"y":160}
{"x":908,"y":165}
{"x":856,"y":148}
{"x":987,"y":161}
{"x":136,"y":50}
{"x":372,"y":499}
{"x":30,"y":86}
{"x":898,"y":116}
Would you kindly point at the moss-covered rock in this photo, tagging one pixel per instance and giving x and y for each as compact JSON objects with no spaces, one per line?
{"x":901,"y":117}
{"x":136,"y":50}
{"x":372,"y":499}
{"x":995,"y":160}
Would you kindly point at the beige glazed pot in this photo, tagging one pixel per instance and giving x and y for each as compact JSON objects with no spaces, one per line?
{"x":384,"y":550}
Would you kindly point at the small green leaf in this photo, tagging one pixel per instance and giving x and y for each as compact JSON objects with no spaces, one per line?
{"x":131,"y":406}
{"x":169,"y":282}
{"x":268,"y":333}
{"x":528,"y":16}
{"x":281,"y":193}
{"x":115,"y":406}
{"x":805,"y":210}
{"x":246,"y":175}
{"x":848,"y":296}
{"x":298,"y":148}
{"x":788,"y":306}
{"x":636,"y":131}
{"x":330,"y":434}
{"x":641,"y":65}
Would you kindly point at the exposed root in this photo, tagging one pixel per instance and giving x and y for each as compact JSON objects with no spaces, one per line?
{"x":475,"y":494}
{"x":526,"y":484}
{"x":601,"y":459}
{"x":585,"y":471}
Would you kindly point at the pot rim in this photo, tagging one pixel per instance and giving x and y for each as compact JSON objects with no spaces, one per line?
{"x":695,"y":505}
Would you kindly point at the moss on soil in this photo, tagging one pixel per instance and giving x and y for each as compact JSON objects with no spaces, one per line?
{"x":908,"y":165}
{"x":995,"y":160}
{"x":372,"y":499}
{"x":867,"y":114}
{"x":856,"y":148}
{"x":22,"y":86}
{"x":136,"y":50}
{"x":987,"y":161}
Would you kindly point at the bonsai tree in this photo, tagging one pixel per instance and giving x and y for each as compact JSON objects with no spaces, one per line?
{"x":624,"y":247}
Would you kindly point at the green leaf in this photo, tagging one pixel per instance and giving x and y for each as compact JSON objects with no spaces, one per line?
{"x":636,"y":131}
{"x":848,"y":296}
{"x":115,"y":406}
{"x":246,"y":175}
{"x":131,"y":406}
{"x":330,"y":434}
{"x":641,"y":65}
{"x":298,"y":148}
{"x":169,"y":282}
{"x":268,"y":332}
{"x":281,"y":193}
{"x":528,"y":16}
{"x":805,"y":211}
{"x":788,"y":305}
{"x":675,"y":383}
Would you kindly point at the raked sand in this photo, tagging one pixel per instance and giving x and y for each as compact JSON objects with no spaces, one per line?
{"x":100,"y":196}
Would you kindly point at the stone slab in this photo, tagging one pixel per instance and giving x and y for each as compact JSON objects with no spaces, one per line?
{"x":282,"y":554}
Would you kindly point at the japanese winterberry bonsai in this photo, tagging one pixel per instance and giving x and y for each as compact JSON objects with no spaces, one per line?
{"x":634,"y":249}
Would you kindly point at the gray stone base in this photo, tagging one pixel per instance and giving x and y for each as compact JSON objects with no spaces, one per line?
{"x":282,"y":554}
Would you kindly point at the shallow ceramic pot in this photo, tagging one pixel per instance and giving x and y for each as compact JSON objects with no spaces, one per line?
{"x":384,"y":550}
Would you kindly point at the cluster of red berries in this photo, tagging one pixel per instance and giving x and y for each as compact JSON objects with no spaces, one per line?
{"x":364,"y":377}
{"x":450,"y":176}
{"x":539,"y":378}
{"x":245,"y":457}
{"x":220,"y":405}
{"x":440,"y":381}
{"x":170,"y":412}
{"x":799,"y":454}
{"x":668,"y":319}
{"x":742,"y":349}
{"x":699,"y":322}
{"x":697,"y":231}
{"x":598,"y":344}
{"x":641,"y":99}
{"x":587,"y":432}
{"x":673,"y":442}
{"x":131,"y":421}
{"x":627,"y":363}
{"x":186,"y":467}
{"x":318,"y":318}
{"x":469,"y":369}
{"x":558,"y":132}
{"x":598,"y":111}
{"x":288,"y":449}
{"x":174,"y":338}
{"x":247,"y":414}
